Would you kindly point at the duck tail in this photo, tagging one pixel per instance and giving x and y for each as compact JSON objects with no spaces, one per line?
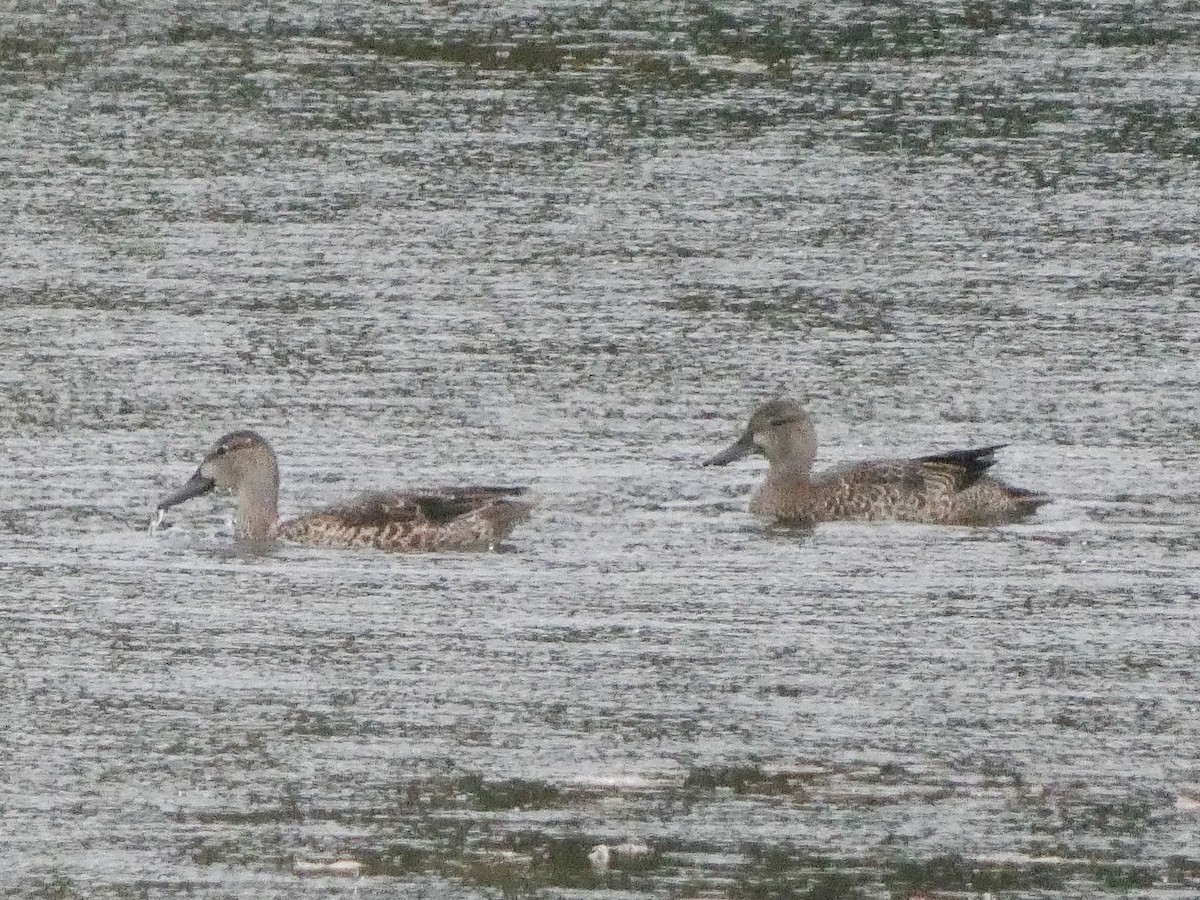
{"x":505,"y":515}
{"x":1028,"y":500}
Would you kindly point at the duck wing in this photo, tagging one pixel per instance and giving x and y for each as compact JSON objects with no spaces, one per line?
{"x":377,"y":509}
{"x":902,"y":489}
{"x":957,"y":470}
{"x":948,"y":472}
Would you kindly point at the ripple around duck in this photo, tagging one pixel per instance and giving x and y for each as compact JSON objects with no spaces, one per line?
{"x":573,"y":248}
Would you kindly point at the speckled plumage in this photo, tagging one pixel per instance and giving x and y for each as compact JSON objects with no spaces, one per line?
{"x":464,"y":518}
{"x":944,"y":489}
{"x":472,"y":518}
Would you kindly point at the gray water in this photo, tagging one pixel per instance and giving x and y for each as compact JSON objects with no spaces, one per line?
{"x":571,"y":245}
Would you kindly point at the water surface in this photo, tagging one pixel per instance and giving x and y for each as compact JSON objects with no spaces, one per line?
{"x":572,"y":245}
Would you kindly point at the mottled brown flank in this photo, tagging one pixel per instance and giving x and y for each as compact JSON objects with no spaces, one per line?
{"x":459,"y":519}
{"x":950,"y":489}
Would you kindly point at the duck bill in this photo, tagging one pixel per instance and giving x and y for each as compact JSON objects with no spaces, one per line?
{"x":196,"y":486}
{"x":742,"y":447}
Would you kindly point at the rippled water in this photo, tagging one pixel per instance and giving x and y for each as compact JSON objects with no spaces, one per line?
{"x":571,"y":245}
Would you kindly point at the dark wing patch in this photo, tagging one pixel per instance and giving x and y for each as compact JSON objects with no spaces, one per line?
{"x":962,"y":467}
{"x":444,"y":508}
{"x":373,"y":510}
{"x":447,"y":504}
{"x":378,"y":509}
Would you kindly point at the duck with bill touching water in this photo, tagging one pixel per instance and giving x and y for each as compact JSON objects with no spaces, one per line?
{"x":462,"y":518}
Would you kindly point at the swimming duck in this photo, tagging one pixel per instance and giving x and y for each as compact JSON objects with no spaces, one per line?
{"x":464,"y":518}
{"x":944,"y":489}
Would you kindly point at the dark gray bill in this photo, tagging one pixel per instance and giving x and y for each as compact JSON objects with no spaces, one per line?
{"x":196,"y":486}
{"x":744,"y":446}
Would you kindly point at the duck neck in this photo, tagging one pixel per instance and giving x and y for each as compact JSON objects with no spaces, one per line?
{"x":793,"y":457}
{"x":258,"y":508}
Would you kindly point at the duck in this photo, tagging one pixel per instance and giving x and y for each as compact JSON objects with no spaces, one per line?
{"x":952,"y":488}
{"x":461,"y":518}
